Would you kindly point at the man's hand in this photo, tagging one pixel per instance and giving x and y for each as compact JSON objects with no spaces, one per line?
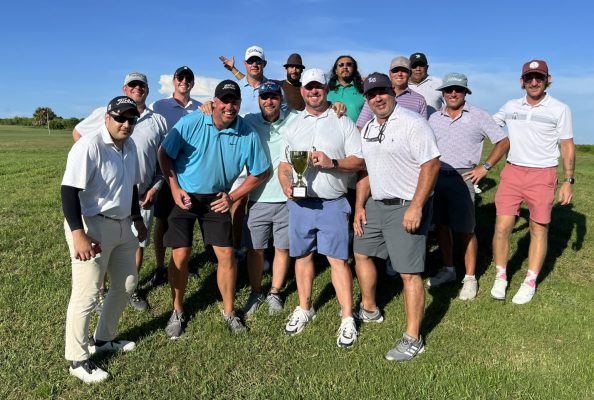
{"x":148,"y":198}
{"x":178,"y":196}
{"x":360,"y":220}
{"x":339,"y":108}
{"x":565,"y":194}
{"x":85,"y":247}
{"x":141,"y":230}
{"x":320,"y":159}
{"x":228,"y":64}
{"x":475,"y":176}
{"x":412,"y":219}
{"x":206,"y":108}
{"x":223,"y":204}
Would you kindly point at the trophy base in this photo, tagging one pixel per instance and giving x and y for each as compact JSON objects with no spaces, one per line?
{"x":299,"y":192}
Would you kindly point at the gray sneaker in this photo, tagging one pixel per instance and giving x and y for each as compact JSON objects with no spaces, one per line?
{"x":137,"y":302}
{"x":363,"y":315}
{"x":175,"y":326}
{"x":234,"y":323}
{"x":253,"y":303}
{"x":275,"y":303}
{"x":406,"y":348}
{"x":444,"y":275}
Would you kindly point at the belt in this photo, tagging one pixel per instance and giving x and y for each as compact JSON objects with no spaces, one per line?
{"x":106,"y":217}
{"x":394,"y":202}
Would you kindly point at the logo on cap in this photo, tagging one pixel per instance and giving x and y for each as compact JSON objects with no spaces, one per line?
{"x":534,"y":65}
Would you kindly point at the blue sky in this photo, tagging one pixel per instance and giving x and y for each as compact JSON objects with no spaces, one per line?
{"x":73,"y":55}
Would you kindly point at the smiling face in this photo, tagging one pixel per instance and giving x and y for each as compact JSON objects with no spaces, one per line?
{"x":294,"y":73}
{"x":183,"y":84}
{"x":137,"y":91}
{"x":120,"y":126}
{"x":270,"y":105}
{"x":314,"y":96}
{"x":454,"y":97}
{"x":535,"y":85}
{"x":254,"y":67}
{"x":399,"y":78}
{"x":382,"y":103}
{"x":225,"y":110}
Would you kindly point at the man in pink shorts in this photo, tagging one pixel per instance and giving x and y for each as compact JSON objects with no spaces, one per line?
{"x":536,"y":124}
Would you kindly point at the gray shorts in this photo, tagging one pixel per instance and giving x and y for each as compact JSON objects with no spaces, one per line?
{"x":147,"y":217}
{"x":384,"y":236}
{"x":454,"y":202}
{"x":264,"y":220}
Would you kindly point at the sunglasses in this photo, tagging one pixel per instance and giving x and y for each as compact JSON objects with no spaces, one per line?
{"x":380,"y":136}
{"x":184,"y":77}
{"x":134,"y":84}
{"x":376,"y":92}
{"x":345,"y":64}
{"x":120,"y":119}
{"x":255,"y":60}
{"x":267,"y":96}
{"x":529,"y":77}
{"x":399,"y":69}
{"x":457,"y":89}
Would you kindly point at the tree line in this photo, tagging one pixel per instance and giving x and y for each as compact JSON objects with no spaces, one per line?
{"x":40,"y":118}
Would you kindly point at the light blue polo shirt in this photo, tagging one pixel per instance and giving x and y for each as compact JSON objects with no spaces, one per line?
{"x":270,"y":191}
{"x":208,"y":160}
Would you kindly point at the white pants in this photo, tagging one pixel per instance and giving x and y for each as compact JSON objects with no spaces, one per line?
{"x":117,"y":258}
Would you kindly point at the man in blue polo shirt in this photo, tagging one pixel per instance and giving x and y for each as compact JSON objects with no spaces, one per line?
{"x":201,"y":157}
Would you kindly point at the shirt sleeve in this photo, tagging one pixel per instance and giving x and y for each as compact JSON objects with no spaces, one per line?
{"x":352,"y":140}
{"x":490,"y":129}
{"x":365,"y":116}
{"x":565,"y":125}
{"x":499,"y":117}
{"x":173,"y":141}
{"x":423,"y":108}
{"x":92,"y":123}
{"x":81,"y":165}
{"x":257,"y":160}
{"x":423,"y":143}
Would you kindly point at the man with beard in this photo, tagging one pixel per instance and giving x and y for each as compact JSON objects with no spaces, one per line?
{"x":100,"y":202}
{"x":345,"y":85}
{"x":319,"y":222}
{"x":201,"y":157}
{"x":149,"y":131}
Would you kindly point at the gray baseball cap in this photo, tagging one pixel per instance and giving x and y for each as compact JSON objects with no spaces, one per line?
{"x":400,"y":61}
{"x":455,"y":79}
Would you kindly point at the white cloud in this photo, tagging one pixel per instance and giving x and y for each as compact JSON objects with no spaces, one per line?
{"x":203,"y":89}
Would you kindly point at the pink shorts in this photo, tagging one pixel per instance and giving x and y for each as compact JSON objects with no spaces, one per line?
{"x":535,"y":186}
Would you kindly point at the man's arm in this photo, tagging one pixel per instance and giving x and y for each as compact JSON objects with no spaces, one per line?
{"x":76,"y":135}
{"x":226,"y":200}
{"x":568,"y":155}
{"x":168,"y":170}
{"x":363,"y":191}
{"x":479,"y":172}
{"x":85,"y":247}
{"x":348,"y":164}
{"x":426,"y":182}
{"x":230,"y":65}
{"x":285,"y":177}
{"x":136,"y":217}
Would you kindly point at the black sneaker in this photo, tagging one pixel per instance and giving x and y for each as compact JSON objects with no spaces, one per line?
{"x":160,"y":276}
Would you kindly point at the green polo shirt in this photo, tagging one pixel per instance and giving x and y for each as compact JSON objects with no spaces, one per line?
{"x":348,"y":95}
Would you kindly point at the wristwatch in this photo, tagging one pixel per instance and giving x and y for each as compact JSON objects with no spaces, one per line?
{"x":487,"y":165}
{"x":570,"y":180}
{"x":334,"y":163}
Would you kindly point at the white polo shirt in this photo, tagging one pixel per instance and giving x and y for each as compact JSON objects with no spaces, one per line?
{"x":337,"y":137}
{"x":534,"y":131}
{"x":172,"y":110}
{"x":394,"y":165}
{"x":428,"y":88}
{"x":105,"y":174}
{"x":149,"y":132}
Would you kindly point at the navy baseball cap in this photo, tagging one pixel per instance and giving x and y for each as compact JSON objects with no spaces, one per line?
{"x":121,"y":104}
{"x":270,"y":87}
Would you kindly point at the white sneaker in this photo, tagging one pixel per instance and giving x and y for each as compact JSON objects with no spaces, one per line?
{"x":444,"y":275}
{"x":499,"y":288}
{"x":87,"y":372}
{"x":298,"y":320}
{"x":524,"y":295}
{"x":116,"y":345}
{"x":347,"y":333}
{"x":469,"y":289}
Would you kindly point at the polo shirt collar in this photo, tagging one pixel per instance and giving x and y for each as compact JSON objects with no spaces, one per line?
{"x":465,"y":108}
{"x":322,"y":115}
{"x":544,"y":102}
{"x":392,"y":116}
{"x":281,"y":118}
{"x":233,"y":129}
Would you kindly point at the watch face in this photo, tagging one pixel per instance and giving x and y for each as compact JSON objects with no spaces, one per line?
{"x":570,"y":180}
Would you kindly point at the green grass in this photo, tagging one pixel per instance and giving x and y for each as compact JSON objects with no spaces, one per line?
{"x":475,"y":350}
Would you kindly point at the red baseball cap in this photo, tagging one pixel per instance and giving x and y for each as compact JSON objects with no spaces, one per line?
{"x":538,"y":66}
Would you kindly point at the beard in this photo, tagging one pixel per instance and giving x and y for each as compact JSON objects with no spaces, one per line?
{"x":294,"y":82}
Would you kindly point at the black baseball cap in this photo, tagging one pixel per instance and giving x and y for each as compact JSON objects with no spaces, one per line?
{"x":227,"y":87}
{"x":121,"y":104}
{"x":418,"y":58}
{"x":184,"y":70}
{"x":376,"y":80}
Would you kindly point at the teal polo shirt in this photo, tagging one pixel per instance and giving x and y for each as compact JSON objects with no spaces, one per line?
{"x":348,"y":95}
{"x":271,"y":137}
{"x":208,"y":160}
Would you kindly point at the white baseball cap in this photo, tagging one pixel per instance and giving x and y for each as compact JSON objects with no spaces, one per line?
{"x":313,"y":75}
{"x":255,"y":51}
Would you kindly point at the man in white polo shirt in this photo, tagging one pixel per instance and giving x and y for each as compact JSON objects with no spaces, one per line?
{"x":320,"y":221}
{"x":149,"y":132}
{"x":536,"y":124}
{"x":100,"y":201}
{"x":421,"y":82}
{"x":402,"y":162}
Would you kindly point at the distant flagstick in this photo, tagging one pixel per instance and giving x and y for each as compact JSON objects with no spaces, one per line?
{"x":47,"y":119}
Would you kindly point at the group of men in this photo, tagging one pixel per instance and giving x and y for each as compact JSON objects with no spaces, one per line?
{"x":410,"y":144}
